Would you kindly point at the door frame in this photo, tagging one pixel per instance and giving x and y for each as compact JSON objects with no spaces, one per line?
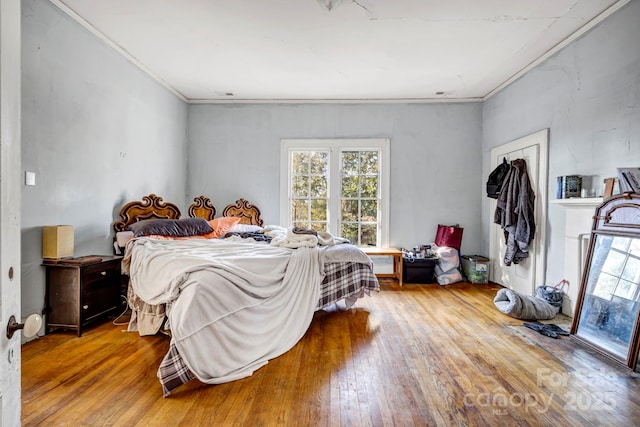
{"x":541,"y":139}
{"x":10,"y":200}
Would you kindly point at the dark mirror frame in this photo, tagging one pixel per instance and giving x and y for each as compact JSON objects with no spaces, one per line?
{"x":616,"y":216}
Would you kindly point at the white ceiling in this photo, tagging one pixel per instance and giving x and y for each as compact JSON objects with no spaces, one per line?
{"x":212,"y":50}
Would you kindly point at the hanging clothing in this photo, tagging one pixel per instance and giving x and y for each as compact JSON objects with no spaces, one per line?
{"x":514,"y":212}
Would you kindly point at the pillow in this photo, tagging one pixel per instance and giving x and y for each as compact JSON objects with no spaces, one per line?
{"x":122,"y":237}
{"x":221,"y":226}
{"x":245,"y":228}
{"x":160,"y":237}
{"x":171,"y":227}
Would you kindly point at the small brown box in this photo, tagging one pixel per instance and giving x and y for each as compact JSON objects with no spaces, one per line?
{"x":57,"y":241}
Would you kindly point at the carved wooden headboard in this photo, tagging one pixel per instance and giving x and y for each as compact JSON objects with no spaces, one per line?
{"x":153,"y":206}
{"x":248,"y":213}
{"x":150,"y":207}
{"x":202,"y":208}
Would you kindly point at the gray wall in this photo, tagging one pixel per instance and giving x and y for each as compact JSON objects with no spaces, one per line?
{"x":234,"y":151}
{"x":588,"y":96}
{"x":96,"y":130}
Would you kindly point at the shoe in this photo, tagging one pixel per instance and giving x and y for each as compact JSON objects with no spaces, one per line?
{"x":539,"y":328}
{"x":555,"y":328}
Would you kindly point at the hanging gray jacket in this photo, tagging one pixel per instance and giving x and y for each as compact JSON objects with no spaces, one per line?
{"x":515,"y":212}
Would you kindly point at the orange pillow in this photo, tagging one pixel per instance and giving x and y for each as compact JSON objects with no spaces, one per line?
{"x":221,"y":226}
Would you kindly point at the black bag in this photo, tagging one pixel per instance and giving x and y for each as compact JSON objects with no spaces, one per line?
{"x":496,"y":179}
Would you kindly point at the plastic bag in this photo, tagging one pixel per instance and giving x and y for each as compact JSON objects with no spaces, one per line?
{"x":552,"y":294}
{"x":448,"y":258}
{"x":447,"y":277}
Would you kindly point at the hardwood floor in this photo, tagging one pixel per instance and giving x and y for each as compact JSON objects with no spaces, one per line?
{"x":420,"y":355}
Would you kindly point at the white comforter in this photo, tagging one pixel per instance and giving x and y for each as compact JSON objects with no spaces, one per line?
{"x":231,"y":305}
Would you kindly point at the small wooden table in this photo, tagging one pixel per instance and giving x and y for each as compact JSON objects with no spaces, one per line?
{"x":397,"y":260}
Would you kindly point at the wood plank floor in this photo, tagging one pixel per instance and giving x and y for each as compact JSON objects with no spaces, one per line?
{"x":420,"y":355}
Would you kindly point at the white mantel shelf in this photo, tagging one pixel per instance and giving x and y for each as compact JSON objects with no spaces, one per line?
{"x":578,"y":201}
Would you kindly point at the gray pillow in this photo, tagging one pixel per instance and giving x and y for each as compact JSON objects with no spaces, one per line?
{"x":183,"y":227}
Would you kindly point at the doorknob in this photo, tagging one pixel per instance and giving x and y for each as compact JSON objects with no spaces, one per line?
{"x":31,"y":326}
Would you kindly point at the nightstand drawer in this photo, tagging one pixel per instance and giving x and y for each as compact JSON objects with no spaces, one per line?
{"x":94,"y":275}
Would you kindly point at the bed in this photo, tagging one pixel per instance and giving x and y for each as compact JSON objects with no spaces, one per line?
{"x":237,"y":297}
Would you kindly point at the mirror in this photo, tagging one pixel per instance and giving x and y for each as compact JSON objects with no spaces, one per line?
{"x":606,"y":316}
{"x":610,"y":304}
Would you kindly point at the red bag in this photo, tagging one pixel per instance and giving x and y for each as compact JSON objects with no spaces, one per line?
{"x":449,"y":235}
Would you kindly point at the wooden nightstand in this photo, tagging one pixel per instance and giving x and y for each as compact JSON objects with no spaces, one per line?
{"x":396,"y":254}
{"x":81,"y":290}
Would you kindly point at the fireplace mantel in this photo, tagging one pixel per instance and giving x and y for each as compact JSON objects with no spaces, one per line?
{"x":591,"y":202}
{"x":578,"y":224}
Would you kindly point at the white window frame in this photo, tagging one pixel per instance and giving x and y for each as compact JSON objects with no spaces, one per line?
{"x":335,"y":146}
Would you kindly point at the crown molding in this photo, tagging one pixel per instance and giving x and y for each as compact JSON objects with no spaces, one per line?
{"x":336,"y":101}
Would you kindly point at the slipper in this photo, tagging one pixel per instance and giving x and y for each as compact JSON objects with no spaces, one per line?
{"x":539,"y":327}
{"x":554,"y":328}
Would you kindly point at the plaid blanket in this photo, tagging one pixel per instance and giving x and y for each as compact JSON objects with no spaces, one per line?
{"x":343,"y":280}
{"x":346,"y":280}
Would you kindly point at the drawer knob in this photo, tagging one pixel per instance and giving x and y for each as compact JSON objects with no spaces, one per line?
{"x":104,"y":273}
{"x":85,"y":306}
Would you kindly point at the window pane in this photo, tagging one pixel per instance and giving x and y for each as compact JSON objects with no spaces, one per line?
{"x":369,"y":162}
{"x":369,"y":234}
{"x":299,"y":210}
{"x":350,"y":186}
{"x":319,"y":210}
{"x":300,"y":162}
{"x":350,"y":232}
{"x":369,"y":186}
{"x":318,"y":186}
{"x":626,"y":290}
{"x":369,"y":211}
{"x":319,"y":162}
{"x":606,"y":286}
{"x":613,"y":264}
{"x":349,"y":210}
{"x":300,"y":186}
{"x":632,"y":270}
{"x":350,"y":160}
{"x":301,"y":224}
{"x":319,"y":226}
{"x":621,"y":243}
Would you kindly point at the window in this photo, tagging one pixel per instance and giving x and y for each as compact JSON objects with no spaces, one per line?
{"x":619,"y":270}
{"x":340,"y":186}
